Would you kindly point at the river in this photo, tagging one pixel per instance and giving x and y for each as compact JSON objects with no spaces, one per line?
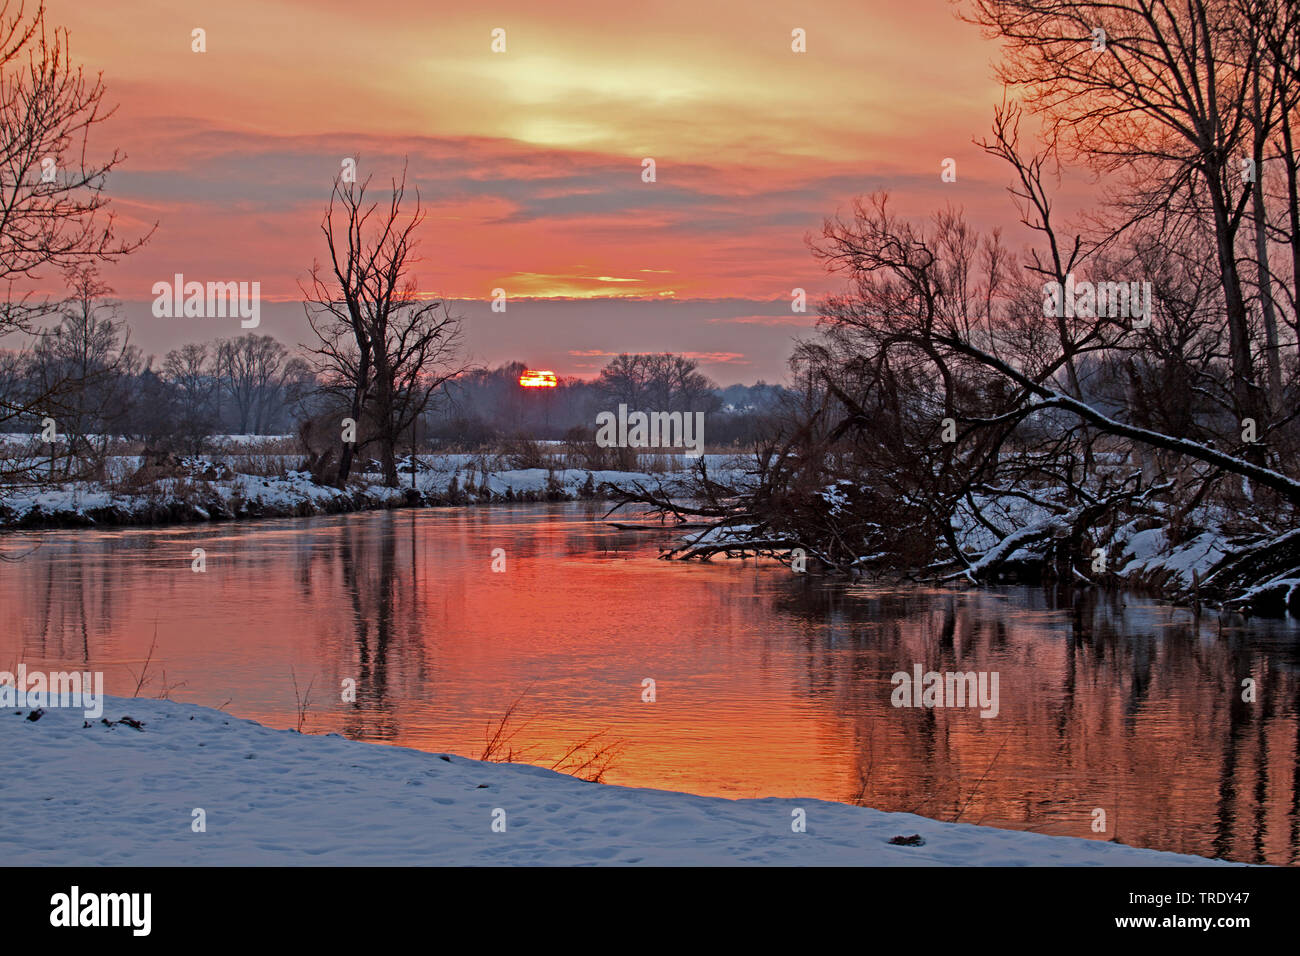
{"x":765,"y":683}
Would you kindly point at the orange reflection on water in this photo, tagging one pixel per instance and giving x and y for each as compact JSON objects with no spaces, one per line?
{"x":767,"y":684}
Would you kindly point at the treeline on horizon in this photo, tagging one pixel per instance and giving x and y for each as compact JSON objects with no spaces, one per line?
{"x":253,"y":384}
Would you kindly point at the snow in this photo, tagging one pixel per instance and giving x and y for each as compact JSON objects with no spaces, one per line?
{"x":114,"y":795}
{"x":836,"y":496}
{"x":250,"y":439}
{"x":1145,"y":545}
{"x":1284,"y":585}
{"x":721,"y":534}
{"x":1016,"y":544}
{"x":1193,"y":559}
{"x":26,"y":438}
{"x":202,"y":495}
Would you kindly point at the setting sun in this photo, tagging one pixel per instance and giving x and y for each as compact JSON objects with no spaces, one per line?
{"x":535,"y":379}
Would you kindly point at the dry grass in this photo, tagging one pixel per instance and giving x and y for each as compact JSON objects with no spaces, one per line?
{"x":281,"y":445}
{"x":864,"y":775}
{"x":498,"y":744}
{"x":143,"y":677}
{"x":521,"y":453}
{"x":974,"y":790}
{"x":302,"y":700}
{"x":589,"y":759}
{"x":262,"y":465}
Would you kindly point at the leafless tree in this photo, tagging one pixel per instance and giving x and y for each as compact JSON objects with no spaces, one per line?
{"x":657,"y":381}
{"x":53,"y":211}
{"x":190,"y":369}
{"x":81,"y":369}
{"x":1169,"y":99}
{"x":254,"y":366}
{"x":383,"y":347}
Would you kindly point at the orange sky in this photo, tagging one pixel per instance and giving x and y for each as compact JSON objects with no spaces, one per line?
{"x":530,"y":160}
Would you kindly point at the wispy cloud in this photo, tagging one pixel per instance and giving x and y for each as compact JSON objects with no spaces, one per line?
{"x":528,"y":163}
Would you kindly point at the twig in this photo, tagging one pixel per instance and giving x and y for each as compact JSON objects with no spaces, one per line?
{"x":981,"y":779}
{"x":302,"y":699}
{"x":144,"y":671}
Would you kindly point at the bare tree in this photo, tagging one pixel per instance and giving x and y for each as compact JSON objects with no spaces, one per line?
{"x":1168,"y":99}
{"x":254,"y":365}
{"x":383,"y":347}
{"x":53,"y":211}
{"x":81,"y":368}
{"x":658,"y":381}
{"x":189,"y":369}
{"x":934,"y":405}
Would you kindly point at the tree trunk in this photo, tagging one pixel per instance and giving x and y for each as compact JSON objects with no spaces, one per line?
{"x":1271,"y":356}
{"x":349,"y":447}
{"x":1246,"y":395}
{"x":384,"y":418}
{"x":1293,"y":194}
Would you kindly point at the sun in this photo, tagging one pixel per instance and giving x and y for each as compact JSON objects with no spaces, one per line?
{"x":538,"y":379}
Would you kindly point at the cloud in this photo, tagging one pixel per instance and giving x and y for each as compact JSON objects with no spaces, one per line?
{"x":718,"y":358}
{"x":801,"y":321}
{"x":528,"y":163}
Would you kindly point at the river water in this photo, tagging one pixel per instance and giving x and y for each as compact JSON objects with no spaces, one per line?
{"x":1113,"y":712}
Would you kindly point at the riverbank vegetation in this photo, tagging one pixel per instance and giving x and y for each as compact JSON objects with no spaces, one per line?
{"x":1114,"y":403}
{"x":248,"y":477}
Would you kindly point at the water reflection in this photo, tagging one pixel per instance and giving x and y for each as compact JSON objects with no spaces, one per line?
{"x":768,"y":683}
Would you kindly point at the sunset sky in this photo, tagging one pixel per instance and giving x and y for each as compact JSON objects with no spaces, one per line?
{"x":529,"y":161}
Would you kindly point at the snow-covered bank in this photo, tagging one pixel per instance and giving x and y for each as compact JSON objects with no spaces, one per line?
{"x":204,"y":490}
{"x":116,"y":795}
{"x":1206,"y":554}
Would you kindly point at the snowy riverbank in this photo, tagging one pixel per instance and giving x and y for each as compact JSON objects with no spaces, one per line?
{"x":117,"y":795}
{"x":207,"y":490}
{"x":1206,"y":554}
{"x":1209,"y":555}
